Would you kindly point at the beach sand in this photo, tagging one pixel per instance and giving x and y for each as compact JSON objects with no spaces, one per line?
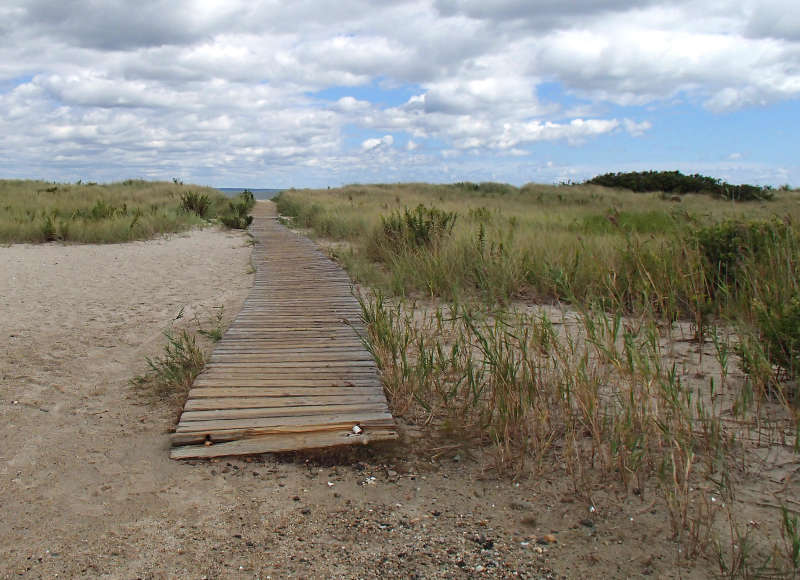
{"x":87,"y":488}
{"x":83,"y":457}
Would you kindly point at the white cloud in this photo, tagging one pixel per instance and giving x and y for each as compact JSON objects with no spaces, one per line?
{"x":635,"y":60}
{"x":377,"y":143}
{"x":351,"y":105}
{"x":216,"y":89}
{"x":636,"y":129}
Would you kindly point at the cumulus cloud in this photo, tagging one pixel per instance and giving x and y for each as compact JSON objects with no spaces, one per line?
{"x":377,"y":143}
{"x":352,"y":105}
{"x":216,"y":89}
{"x":777,"y":19}
{"x":636,"y":129}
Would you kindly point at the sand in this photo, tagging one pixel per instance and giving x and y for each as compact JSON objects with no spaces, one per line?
{"x":87,"y":488}
{"x":82,"y":457}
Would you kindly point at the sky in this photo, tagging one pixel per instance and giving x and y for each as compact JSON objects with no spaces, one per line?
{"x":315,"y":93}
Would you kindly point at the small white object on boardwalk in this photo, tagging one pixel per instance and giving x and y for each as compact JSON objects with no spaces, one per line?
{"x":291,"y":372}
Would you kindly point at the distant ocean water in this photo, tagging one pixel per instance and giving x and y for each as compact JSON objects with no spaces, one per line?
{"x":258,"y":193}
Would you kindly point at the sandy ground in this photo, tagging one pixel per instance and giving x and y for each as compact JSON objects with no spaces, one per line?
{"x":87,"y":488}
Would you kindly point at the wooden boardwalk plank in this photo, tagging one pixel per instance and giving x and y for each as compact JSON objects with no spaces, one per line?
{"x":280,"y":442}
{"x":331,"y":417}
{"x":290,"y":391}
{"x":221,"y":403}
{"x":291,"y":372}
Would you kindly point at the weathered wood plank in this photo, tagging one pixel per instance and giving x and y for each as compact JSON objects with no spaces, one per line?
{"x":281,"y":411}
{"x":285,"y":383}
{"x":279,"y":391}
{"x":219,"y":403}
{"x":280,"y":443}
{"x":314,"y":376}
{"x":291,"y":372}
{"x":355,"y":418}
{"x":232,"y":434}
{"x":299,"y":351}
{"x":267,"y":355}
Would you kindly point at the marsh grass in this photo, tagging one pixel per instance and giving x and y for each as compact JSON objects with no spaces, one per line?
{"x":37,"y":211}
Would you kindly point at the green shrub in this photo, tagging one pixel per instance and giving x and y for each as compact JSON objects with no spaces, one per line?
{"x":247,"y":198}
{"x":678,"y":183}
{"x":731,"y":245}
{"x":237,"y":216}
{"x":197,"y":203}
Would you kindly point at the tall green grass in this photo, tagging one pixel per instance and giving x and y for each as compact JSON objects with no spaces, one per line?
{"x":585,"y":245}
{"x":37,"y":211}
{"x":576,"y":243}
{"x":596,"y":393}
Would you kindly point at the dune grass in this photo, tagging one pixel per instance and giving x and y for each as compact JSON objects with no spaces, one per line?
{"x":37,"y":211}
{"x":594,"y":392}
{"x":170,"y":375}
{"x":577,"y":243}
{"x":701,"y":259}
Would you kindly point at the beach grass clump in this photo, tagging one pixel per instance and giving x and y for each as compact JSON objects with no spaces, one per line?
{"x":422,"y":227}
{"x":37,"y":211}
{"x":197,"y":203}
{"x":593,"y":392}
{"x":170,"y":375}
{"x":237,"y":214}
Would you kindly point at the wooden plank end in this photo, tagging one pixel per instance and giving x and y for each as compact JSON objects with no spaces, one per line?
{"x":282,"y":443}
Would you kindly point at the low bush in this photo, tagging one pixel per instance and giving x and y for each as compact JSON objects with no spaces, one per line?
{"x":732,"y":246}
{"x":197,"y":203}
{"x":779,"y":332}
{"x":678,"y":183}
{"x":237,"y":216}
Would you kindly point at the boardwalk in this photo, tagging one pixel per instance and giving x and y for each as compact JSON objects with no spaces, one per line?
{"x":290,"y":373}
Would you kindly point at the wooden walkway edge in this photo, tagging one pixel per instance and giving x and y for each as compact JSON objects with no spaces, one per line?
{"x":291,"y":372}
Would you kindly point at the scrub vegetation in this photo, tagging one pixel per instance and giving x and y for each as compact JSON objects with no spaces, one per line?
{"x":675,"y":182}
{"x":632,"y":339}
{"x":38,"y":211}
